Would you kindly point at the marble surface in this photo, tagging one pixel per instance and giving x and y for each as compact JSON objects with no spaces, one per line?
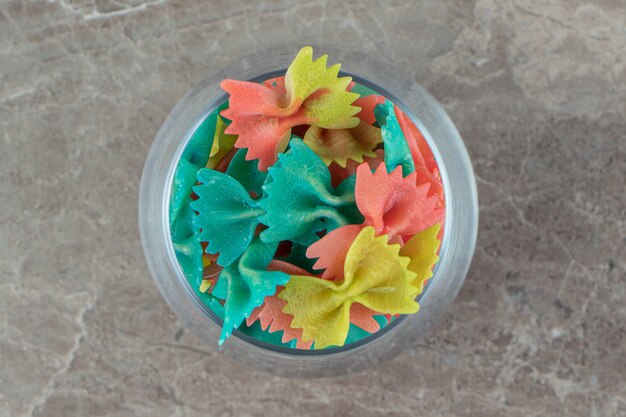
{"x":536,"y":87}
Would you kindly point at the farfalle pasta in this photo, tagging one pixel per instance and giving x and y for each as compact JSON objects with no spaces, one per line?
{"x":375,"y":275}
{"x":307,"y":210}
{"x":262,"y":116}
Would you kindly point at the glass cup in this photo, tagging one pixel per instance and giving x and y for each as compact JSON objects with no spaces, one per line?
{"x":457,"y":247}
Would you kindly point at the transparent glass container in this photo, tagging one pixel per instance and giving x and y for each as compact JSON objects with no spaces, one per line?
{"x":458,"y":242}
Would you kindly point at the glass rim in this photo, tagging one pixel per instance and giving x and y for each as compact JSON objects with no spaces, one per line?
{"x":176,"y":131}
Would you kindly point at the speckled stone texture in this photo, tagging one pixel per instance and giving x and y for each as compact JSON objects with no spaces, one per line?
{"x":537,"y":89}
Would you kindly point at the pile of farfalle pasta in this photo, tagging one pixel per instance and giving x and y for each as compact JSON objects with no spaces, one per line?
{"x":307,"y":210}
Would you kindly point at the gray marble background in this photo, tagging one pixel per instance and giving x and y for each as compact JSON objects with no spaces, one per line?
{"x":536,"y":87}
